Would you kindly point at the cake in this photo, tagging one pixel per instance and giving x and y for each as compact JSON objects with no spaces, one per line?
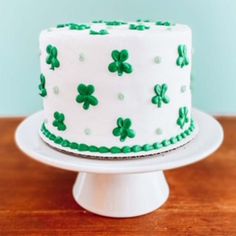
{"x":116,"y":89}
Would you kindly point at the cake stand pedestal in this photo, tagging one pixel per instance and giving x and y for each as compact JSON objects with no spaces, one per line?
{"x":121,"y":188}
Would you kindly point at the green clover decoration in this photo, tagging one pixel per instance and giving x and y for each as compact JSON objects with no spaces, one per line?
{"x":59,"y":121}
{"x":123,"y":129}
{"x":183,"y":117}
{"x":119,"y":65}
{"x":160,"y":97}
{"x":140,"y":27}
{"x":183,"y":59}
{"x":85,"y":96}
{"x":73,"y":26}
{"x":163,"y":23}
{"x":52,"y":57}
{"x":101,"y":32}
{"x":115,"y":23}
{"x":42,"y":89}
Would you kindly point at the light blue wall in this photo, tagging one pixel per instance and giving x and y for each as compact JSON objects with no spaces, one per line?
{"x":214,"y":38}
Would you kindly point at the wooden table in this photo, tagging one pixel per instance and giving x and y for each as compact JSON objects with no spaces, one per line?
{"x":202,"y":199}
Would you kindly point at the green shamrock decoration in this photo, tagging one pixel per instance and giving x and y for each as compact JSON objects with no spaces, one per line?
{"x":123,"y":129}
{"x":97,"y":21}
{"x":73,"y":26}
{"x":140,"y":20}
{"x":64,"y":25}
{"x":160,"y":97}
{"x":59,"y":121}
{"x":119,"y":65}
{"x":182,"y":60}
{"x":140,"y":27}
{"x":52,"y":57}
{"x":85,"y":96}
{"x":163,"y":23}
{"x":43,"y":91}
{"x":115,"y":23}
{"x":101,"y":32}
{"x":183,"y":117}
{"x":78,"y":27}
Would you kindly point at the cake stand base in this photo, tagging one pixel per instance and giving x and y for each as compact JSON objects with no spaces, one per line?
{"x":121,"y":188}
{"x":121,"y":195}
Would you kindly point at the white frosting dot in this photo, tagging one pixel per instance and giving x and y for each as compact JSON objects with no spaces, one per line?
{"x":87,"y":131}
{"x":121,"y":96}
{"x":158,"y":131}
{"x":183,"y":88}
{"x":55,"y":90}
{"x":81,"y":57}
{"x":157,"y":60}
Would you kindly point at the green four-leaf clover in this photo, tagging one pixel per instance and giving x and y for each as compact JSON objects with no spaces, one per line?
{"x":119,"y":65}
{"x":59,"y":121}
{"x":42,"y":89}
{"x":183,"y":59}
{"x":160,"y":97}
{"x":52,"y":57}
{"x":183,"y":117}
{"x":85,"y":95}
{"x":123,"y":129}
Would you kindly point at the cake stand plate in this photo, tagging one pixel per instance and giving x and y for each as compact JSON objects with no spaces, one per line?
{"x":121,"y":188}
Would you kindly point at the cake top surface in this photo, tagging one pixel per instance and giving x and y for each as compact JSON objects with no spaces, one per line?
{"x":116,"y":27}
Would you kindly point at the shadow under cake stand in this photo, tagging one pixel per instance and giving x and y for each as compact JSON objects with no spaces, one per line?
{"x":121,"y":188}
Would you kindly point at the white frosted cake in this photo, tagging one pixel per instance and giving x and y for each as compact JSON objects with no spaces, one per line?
{"x":116,"y":89}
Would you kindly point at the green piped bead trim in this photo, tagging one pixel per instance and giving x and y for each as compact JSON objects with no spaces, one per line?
{"x":104,"y":150}
{"x":157,"y":145}
{"x":115,"y":150}
{"x":83,"y":147}
{"x":136,"y":148}
{"x":93,"y":149}
{"x":147,"y":147}
{"x":165,"y":143}
{"x":65,"y":143}
{"x":126,"y":149}
{"x":58,"y":140}
{"x":74,"y":145}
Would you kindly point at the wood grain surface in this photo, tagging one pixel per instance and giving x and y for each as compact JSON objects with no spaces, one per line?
{"x":36,"y":199}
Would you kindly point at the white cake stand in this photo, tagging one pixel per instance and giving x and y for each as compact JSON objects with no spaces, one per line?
{"x":121,"y":188}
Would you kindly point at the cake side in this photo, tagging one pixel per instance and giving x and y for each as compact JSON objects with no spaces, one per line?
{"x":116,"y":86}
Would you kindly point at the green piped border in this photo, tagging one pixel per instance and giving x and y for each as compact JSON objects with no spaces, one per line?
{"x":116,"y":150}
